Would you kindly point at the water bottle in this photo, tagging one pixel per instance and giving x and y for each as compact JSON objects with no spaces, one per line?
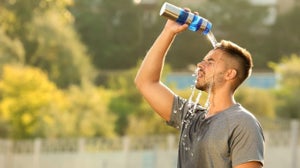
{"x":195,"y":22}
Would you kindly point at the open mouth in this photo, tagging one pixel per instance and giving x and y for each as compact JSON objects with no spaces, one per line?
{"x":200,"y":74}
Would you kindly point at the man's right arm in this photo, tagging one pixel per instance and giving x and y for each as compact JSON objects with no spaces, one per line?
{"x":147,"y":79}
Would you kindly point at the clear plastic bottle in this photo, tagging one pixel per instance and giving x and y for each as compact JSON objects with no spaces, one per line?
{"x":195,"y":22}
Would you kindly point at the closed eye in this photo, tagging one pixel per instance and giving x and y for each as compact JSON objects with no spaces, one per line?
{"x":209,"y":61}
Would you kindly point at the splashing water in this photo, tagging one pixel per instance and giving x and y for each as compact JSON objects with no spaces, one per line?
{"x":190,"y":100}
{"x":192,"y":94}
{"x":197,"y":100}
{"x":193,"y":88}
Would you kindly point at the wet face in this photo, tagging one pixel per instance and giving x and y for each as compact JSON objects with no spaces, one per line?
{"x":211,"y":70}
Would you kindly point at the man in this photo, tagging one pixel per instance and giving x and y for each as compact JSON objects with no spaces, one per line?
{"x":224,"y":135}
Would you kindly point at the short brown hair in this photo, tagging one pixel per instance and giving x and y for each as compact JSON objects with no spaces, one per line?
{"x":240,"y":54}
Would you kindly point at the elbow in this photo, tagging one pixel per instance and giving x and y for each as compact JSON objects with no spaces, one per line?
{"x":138,"y":82}
{"x":142,"y":83}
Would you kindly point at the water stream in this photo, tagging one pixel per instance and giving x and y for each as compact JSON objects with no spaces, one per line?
{"x":214,"y":43}
{"x":212,"y":39}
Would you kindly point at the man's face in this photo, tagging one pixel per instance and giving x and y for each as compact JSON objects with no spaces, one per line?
{"x":211,"y":70}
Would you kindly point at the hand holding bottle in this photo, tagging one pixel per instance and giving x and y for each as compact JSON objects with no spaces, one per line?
{"x":184,"y":16}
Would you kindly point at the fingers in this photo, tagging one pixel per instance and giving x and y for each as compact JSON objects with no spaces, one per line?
{"x":177,"y":28}
{"x":189,"y":10}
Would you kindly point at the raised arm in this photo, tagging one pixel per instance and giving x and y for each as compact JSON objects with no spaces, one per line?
{"x":147,"y":79}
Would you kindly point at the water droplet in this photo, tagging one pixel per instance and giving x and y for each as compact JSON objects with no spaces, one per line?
{"x":181,"y":107}
{"x":187,"y":148}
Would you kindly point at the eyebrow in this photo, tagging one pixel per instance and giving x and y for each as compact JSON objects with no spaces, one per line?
{"x":209,"y":59}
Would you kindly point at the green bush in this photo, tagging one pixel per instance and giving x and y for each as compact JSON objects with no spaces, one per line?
{"x":287,"y":93}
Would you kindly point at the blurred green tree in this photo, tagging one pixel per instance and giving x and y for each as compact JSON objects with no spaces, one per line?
{"x":288,"y":71}
{"x":127,"y":101}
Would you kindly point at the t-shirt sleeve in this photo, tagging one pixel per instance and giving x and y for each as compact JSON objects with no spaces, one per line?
{"x":177,"y":113}
{"x":247,"y":141}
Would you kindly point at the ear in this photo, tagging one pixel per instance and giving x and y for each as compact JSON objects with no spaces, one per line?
{"x":231,"y":74}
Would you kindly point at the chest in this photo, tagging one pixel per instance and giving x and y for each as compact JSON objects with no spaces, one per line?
{"x":204,"y":137}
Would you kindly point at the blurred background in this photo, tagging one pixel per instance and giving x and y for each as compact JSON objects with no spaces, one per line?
{"x":67,"y":97}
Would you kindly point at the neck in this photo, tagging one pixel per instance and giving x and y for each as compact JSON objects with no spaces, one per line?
{"x":220,"y":101}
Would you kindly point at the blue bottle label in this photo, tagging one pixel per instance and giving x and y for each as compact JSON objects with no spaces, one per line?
{"x":207,"y":28}
{"x":196,"y":23}
{"x":182,"y":17}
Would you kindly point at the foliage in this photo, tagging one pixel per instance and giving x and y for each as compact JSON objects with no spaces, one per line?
{"x":110,"y":30}
{"x":260,"y":102}
{"x":224,"y":17}
{"x":45,"y":32}
{"x":284,"y":36}
{"x":127,"y":101}
{"x":288,"y":70}
{"x":30,"y":105}
{"x":11,"y":50}
{"x":59,"y":50}
{"x":90,"y":114}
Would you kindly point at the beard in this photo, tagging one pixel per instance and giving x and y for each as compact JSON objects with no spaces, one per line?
{"x":203,"y":86}
{"x":207,"y":82}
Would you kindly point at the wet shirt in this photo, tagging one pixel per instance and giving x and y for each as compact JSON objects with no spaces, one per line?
{"x":227,"y":139}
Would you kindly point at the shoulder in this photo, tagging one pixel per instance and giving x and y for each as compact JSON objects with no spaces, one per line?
{"x":241,"y":115}
{"x":241,"y":119}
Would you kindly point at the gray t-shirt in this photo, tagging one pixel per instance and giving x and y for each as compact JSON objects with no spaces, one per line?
{"x":227,"y":139}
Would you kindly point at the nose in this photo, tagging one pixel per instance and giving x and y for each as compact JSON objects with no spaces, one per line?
{"x":201,"y":65}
